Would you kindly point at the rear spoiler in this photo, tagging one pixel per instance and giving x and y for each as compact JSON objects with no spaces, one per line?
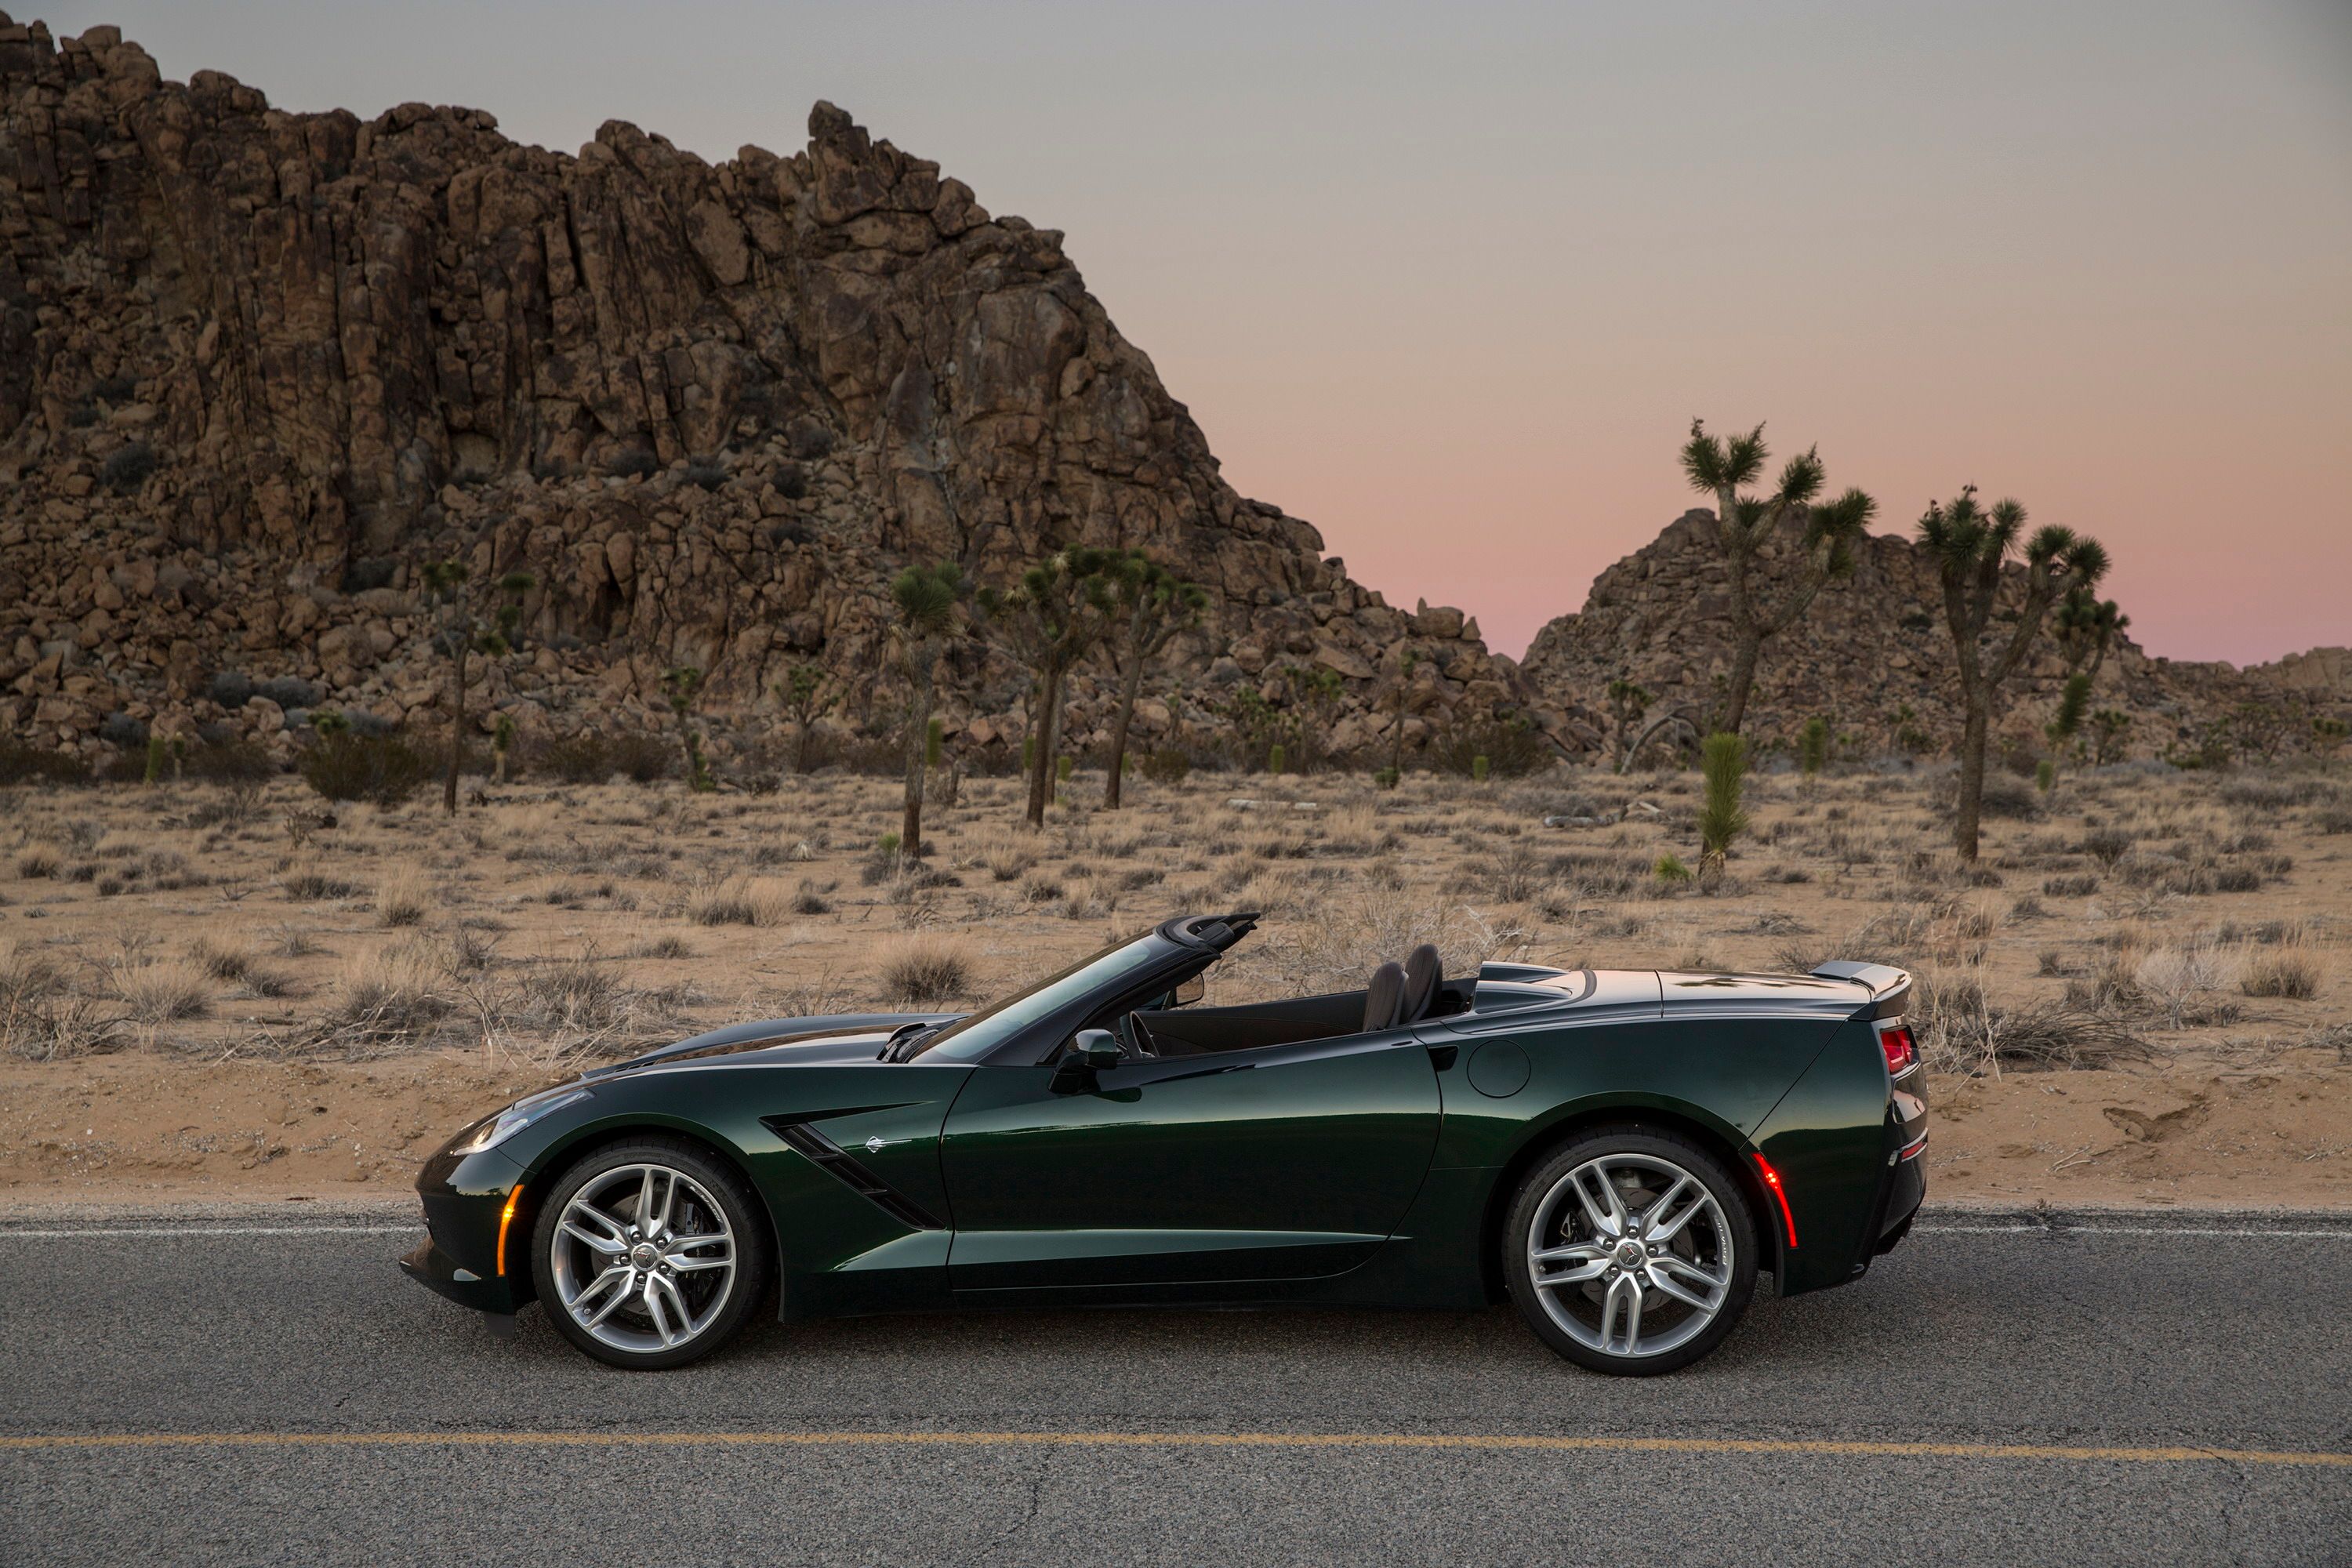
{"x":1889,"y":987}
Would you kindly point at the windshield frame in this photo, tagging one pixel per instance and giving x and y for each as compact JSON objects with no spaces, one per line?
{"x":997,"y":1032}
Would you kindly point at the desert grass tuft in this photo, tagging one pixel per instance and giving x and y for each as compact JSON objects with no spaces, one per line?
{"x":2285,"y":968}
{"x":163,"y":991}
{"x":923,"y":967}
{"x":401,"y":899}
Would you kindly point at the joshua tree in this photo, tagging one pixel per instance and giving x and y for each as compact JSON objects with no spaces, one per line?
{"x":1813,"y":745}
{"x":1149,"y":608}
{"x":466,"y":621}
{"x":502,"y":740}
{"x":1721,"y":818}
{"x":2327,"y":735}
{"x":2263,"y":728}
{"x":683,"y":685}
{"x":1048,"y":621}
{"x":1315,"y":693}
{"x":802,"y":693}
{"x":1720,"y":466}
{"x":2109,"y":726}
{"x":1399,"y":705}
{"x":1628,"y":701}
{"x":926,"y":597}
{"x":2084,"y":626}
{"x":1970,"y":543}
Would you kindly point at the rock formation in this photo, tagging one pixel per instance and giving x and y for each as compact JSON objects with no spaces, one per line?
{"x":1870,"y":647}
{"x":257,"y":368}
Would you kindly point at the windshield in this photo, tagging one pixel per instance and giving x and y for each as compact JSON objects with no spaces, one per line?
{"x":975,"y":1034}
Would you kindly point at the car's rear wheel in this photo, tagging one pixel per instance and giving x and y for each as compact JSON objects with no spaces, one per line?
{"x":1630,"y":1250}
{"x":650,"y":1254}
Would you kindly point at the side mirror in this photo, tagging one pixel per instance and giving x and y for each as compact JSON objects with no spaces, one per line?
{"x":1191,"y":991}
{"x":1090,"y":1053}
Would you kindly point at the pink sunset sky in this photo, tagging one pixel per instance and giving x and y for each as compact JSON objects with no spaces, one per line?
{"x":1451,"y":282}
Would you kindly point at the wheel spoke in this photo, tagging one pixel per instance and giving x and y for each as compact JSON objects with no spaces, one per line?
{"x":1588,"y":1260}
{"x":604,"y":1243}
{"x":1665,"y":1283}
{"x":683,"y":1264}
{"x":1622,"y":1303}
{"x":1674,"y":1263}
{"x":645,"y":1201}
{"x":621,"y":1278}
{"x":1609,"y":1217}
{"x":653,"y":1309}
{"x":668,"y":1289}
{"x":1659,"y":1220}
{"x":1573,"y":1252}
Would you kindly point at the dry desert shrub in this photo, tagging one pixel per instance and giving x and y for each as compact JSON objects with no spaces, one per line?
{"x":39,"y":861}
{"x":923,"y":967}
{"x":401,"y":898}
{"x":1005,"y":860}
{"x":742,"y":900}
{"x":43,"y":1017}
{"x":1959,"y":1031}
{"x":310,"y":884}
{"x":163,"y":991}
{"x":394,"y":995}
{"x":1084,"y":899}
{"x":218,"y":960}
{"x":582,"y":1007}
{"x":2287,"y":966}
{"x":2174,"y":976}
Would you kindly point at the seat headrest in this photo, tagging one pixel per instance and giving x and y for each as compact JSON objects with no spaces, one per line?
{"x":1384,"y":998}
{"x":1422,"y":972}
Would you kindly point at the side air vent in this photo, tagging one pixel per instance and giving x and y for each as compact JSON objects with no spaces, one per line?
{"x":830,"y":1156}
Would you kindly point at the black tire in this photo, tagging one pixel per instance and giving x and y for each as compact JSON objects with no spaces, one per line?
{"x":1706,"y":1236}
{"x":746,"y":1221}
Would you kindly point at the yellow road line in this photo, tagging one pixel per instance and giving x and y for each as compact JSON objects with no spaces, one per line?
{"x":1175,"y":1440}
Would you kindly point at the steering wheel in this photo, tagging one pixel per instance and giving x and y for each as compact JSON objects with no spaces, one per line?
{"x":1140,"y":1037}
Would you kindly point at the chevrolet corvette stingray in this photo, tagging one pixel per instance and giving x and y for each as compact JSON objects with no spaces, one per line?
{"x":1618,"y":1153}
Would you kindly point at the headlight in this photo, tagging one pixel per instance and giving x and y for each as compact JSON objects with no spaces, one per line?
{"x":492,"y":1130}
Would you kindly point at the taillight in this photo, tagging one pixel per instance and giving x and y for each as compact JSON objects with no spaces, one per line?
{"x":1902,"y":1053}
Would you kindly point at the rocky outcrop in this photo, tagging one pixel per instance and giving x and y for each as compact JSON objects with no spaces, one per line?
{"x":257,"y":368}
{"x":1872,"y":657}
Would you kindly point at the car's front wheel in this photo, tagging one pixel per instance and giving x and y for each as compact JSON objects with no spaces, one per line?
{"x":650,"y":1254}
{"x":1630,"y":1250}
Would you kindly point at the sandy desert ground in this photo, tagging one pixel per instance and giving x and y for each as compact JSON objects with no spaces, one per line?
{"x":2143,"y":994}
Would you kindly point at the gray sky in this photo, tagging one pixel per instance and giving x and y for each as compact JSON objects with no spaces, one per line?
{"x":1450,"y":281}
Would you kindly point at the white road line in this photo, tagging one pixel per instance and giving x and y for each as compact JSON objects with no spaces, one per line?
{"x":200,"y":1229}
{"x":2344,"y":1235}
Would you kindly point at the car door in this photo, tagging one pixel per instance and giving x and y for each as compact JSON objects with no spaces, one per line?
{"x":1285,"y":1163}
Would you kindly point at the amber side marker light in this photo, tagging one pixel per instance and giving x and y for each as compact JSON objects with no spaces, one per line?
{"x":505,"y":1218}
{"x":1772,"y":1184}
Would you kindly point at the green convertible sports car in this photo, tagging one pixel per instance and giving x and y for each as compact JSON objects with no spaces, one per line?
{"x":1618,"y":1152}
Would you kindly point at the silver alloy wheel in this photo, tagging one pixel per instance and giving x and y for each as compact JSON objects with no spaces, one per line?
{"x":1630,"y":1254}
{"x":642,"y":1258}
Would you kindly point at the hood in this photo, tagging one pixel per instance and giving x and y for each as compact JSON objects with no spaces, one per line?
{"x":826,"y":1039}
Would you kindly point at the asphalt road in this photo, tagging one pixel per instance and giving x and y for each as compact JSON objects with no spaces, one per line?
{"x":1185,"y":1436}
